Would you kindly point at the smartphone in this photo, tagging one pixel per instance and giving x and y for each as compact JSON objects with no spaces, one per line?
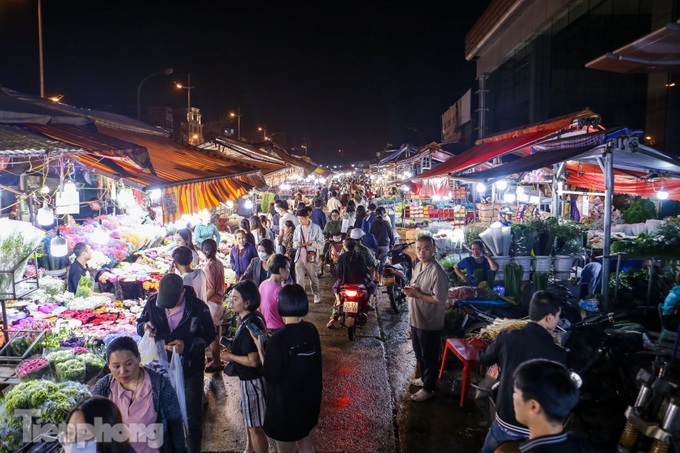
{"x":256,"y":331}
{"x":226,"y":342}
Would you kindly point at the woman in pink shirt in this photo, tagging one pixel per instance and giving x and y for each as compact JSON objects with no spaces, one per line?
{"x":279,"y":269}
{"x":145,"y":399}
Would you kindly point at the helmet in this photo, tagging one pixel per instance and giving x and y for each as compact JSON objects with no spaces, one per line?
{"x":505,"y":210}
{"x":356,"y":233}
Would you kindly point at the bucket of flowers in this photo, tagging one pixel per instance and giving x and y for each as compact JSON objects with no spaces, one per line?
{"x":34,"y":368}
{"x":71,"y":370}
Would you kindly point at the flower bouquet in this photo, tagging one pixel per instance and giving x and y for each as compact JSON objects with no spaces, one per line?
{"x":32,"y":369}
{"x":93,"y":364}
{"x":17,"y":240}
{"x":57,"y":357}
{"x":70,"y":370}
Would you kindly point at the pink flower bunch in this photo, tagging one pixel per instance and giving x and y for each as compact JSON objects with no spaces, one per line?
{"x":28,"y":367}
{"x":47,"y":307}
{"x":31,"y":323}
{"x":80,"y":350}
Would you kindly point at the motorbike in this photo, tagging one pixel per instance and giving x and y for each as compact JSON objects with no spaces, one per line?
{"x":396,"y":274}
{"x":334,"y":250}
{"x":353,"y":308}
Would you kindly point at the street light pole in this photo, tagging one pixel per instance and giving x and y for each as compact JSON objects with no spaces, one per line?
{"x":238,"y":121}
{"x":40,"y":50}
{"x":264,"y":131}
{"x":166,"y":71}
{"x":188,"y":87}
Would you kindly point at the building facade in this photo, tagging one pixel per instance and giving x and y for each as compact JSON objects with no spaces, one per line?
{"x":531,"y":58}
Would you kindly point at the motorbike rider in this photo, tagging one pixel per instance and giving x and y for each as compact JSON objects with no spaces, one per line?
{"x":351,"y":269}
{"x":333,"y":228}
{"x":504,"y":217}
{"x":512,"y":348}
{"x":358,"y":235}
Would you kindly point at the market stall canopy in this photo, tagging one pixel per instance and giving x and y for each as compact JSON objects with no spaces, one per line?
{"x":118,"y":155}
{"x":17,"y":141}
{"x":489,"y":148}
{"x":403,"y":152}
{"x":267,"y":162}
{"x":638,"y":169}
{"x":658,"y":51}
{"x":433,"y":151}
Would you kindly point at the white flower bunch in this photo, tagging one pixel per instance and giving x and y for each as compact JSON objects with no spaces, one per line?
{"x":87,"y":303}
{"x":98,"y":260}
{"x":52,"y":285}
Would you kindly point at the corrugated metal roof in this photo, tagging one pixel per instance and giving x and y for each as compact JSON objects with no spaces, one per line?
{"x":129,"y":155}
{"x":177,"y":163}
{"x":17,"y":141}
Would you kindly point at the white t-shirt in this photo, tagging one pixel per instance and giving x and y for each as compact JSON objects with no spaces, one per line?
{"x":288,"y":216}
{"x":197,"y":280}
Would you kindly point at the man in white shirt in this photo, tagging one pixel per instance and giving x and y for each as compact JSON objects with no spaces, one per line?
{"x":333,"y":202}
{"x":182,"y":258}
{"x":282,"y":207}
{"x":308,"y":240}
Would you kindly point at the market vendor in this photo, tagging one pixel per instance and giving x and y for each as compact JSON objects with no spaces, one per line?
{"x":206,"y":229}
{"x":477,"y":260}
{"x":83,"y":253}
{"x":504,"y":216}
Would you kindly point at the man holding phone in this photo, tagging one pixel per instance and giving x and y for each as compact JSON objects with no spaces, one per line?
{"x":477,"y":260}
{"x":176,"y":315}
{"x":426,"y":305}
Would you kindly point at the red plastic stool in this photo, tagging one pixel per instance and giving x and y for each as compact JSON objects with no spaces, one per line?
{"x":466,"y":351}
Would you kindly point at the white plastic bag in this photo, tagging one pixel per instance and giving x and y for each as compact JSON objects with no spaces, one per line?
{"x":344,"y":226}
{"x":177,"y":381}
{"x":147,"y":348}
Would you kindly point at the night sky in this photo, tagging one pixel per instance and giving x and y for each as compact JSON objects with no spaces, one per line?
{"x":352,"y":75}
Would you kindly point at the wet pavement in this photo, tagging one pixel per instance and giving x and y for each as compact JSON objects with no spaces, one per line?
{"x":365,"y":405}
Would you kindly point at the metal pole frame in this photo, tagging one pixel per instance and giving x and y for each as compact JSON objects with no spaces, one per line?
{"x":606,"y":162}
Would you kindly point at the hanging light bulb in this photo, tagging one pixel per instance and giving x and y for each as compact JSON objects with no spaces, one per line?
{"x":45,"y":216}
{"x":155,"y":195}
{"x":481,"y":187}
{"x":436,"y":197}
{"x":509,"y":197}
{"x":520,"y":190}
{"x":501,"y":184}
{"x":58,"y":246}
{"x":230,"y":204}
{"x":44,"y":190}
{"x":248,"y":204}
{"x":662,"y":194}
{"x":70,"y":186}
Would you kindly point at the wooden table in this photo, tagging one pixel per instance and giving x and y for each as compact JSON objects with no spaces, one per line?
{"x":466,"y":350}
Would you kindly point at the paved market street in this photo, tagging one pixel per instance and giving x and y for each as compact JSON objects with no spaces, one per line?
{"x":365,"y":406}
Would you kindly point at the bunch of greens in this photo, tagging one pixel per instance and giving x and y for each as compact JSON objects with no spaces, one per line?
{"x":664,"y":243}
{"x":541,"y":229}
{"x":59,"y":357}
{"x":267,"y":199}
{"x":568,"y":236}
{"x":85,"y":286}
{"x":17,"y":241}
{"x":51,"y":399}
{"x":523,"y":239}
{"x":70,"y":370}
{"x":512,"y":273}
{"x":540,"y":281}
{"x":472,"y":232}
{"x":448,"y":261}
{"x":640,"y":211}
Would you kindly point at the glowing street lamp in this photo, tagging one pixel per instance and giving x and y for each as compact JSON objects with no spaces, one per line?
{"x":187,"y":87}
{"x":238,"y":121}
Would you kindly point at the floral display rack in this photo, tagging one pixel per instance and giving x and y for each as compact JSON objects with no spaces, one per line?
{"x":30,"y":284}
